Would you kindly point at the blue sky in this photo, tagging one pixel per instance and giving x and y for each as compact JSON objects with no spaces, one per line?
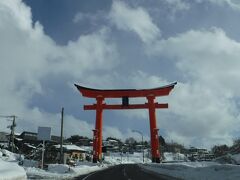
{"x":47,"y":46}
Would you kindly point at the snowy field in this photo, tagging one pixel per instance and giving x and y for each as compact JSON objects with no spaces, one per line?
{"x":196,"y":170}
{"x":10,"y":170}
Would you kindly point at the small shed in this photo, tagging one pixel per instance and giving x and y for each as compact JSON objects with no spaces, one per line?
{"x":72,"y":153}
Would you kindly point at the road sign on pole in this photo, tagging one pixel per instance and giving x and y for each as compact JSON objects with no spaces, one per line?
{"x":44,"y":134}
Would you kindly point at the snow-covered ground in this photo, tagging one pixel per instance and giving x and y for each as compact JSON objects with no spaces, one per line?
{"x":229,"y":158}
{"x":174,"y":157}
{"x":62,"y":171}
{"x":236,"y":158}
{"x":183,"y":169}
{"x":196,"y":170}
{"x":118,"y":158}
{"x":9,"y":168}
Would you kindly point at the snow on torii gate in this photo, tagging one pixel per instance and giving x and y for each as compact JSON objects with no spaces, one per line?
{"x":125,"y":94}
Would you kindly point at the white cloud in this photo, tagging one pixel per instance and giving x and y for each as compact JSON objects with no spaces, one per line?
{"x":203,"y":108}
{"x":28,"y":55}
{"x":234,"y":4}
{"x":91,"y":17}
{"x":136,"y":20}
{"x":204,"y":105}
{"x":178,"y":5}
{"x":89,"y":52}
{"x":209,"y":57}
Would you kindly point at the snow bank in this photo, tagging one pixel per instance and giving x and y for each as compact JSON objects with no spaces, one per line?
{"x":11,"y":171}
{"x":236,"y":158}
{"x":9,"y":168}
{"x":58,"y":168}
{"x":85,"y":169}
{"x":85,"y":163}
{"x":196,"y":170}
{"x":118,"y":158}
{"x":229,"y":159}
{"x":63,"y":171}
{"x":169,"y":157}
{"x":30,"y":163}
{"x":9,"y":156}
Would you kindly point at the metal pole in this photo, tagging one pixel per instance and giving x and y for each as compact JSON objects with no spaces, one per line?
{"x":61,"y":143}
{"x":43,"y":149}
{"x":142,"y":149}
{"x":12,"y":133}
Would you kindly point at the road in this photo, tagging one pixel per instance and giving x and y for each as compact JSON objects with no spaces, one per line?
{"x":124,"y":172}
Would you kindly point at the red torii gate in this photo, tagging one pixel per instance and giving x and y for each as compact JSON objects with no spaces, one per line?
{"x":125,"y":94}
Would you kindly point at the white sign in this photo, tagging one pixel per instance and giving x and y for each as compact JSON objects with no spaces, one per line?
{"x":44,"y":133}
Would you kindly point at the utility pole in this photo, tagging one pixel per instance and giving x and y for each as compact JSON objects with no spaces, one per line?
{"x":43,"y":151}
{"x":12,"y":134}
{"x":61,"y":144}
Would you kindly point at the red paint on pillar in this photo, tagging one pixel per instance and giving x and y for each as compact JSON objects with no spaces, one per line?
{"x":95,"y":142}
{"x":153,"y":130}
{"x":98,"y":127}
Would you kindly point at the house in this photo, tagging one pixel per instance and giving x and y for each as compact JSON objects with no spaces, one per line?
{"x":28,"y":143}
{"x":72,"y":153}
{"x":32,"y":136}
{"x":139,"y":148}
{"x":199,"y":154}
{"x":111,"y":145}
{"x":4,"y":139}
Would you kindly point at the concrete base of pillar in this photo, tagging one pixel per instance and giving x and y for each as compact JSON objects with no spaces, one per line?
{"x":95,"y":160}
{"x":156,"y":160}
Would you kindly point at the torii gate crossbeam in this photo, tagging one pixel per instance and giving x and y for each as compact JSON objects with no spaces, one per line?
{"x":125,"y":94}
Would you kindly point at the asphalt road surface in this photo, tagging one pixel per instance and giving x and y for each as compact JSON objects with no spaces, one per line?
{"x":124,"y":172}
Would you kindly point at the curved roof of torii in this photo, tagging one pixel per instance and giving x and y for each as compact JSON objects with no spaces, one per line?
{"x":119,"y":93}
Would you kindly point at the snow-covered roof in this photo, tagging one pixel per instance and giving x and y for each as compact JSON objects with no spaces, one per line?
{"x":71,"y":147}
{"x":112,"y":140}
{"x":29,"y":145}
{"x":19,"y":139}
{"x":87,"y":148}
{"x":17,"y":133}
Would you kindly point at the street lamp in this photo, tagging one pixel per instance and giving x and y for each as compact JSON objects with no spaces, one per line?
{"x":139,"y":132}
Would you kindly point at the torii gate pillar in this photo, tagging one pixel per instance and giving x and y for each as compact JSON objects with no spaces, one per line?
{"x":125,"y":94}
{"x":153,"y":130}
{"x":97,"y":135}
